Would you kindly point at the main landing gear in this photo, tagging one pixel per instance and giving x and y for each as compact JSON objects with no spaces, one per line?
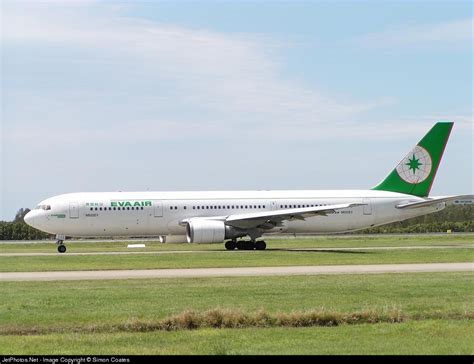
{"x":245,"y":245}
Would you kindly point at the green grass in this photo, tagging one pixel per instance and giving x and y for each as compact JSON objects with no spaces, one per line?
{"x":274,"y":242}
{"x":439,"y":305}
{"x":416,"y":337}
{"x":231,"y":259}
{"x":57,"y":306}
{"x":218,"y":318}
{"x":71,"y":304}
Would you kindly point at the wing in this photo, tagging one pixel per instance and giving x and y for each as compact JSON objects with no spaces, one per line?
{"x":270,"y":219}
{"x":433,"y":201}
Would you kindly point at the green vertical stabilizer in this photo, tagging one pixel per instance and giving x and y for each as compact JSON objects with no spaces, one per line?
{"x":415,"y":174}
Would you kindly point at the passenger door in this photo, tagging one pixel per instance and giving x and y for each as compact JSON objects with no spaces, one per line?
{"x":73,"y":210}
{"x":158,"y":208}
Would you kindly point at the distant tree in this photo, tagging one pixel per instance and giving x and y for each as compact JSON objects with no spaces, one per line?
{"x":454,"y":217}
{"x":20,"y":215}
{"x":19,"y":230}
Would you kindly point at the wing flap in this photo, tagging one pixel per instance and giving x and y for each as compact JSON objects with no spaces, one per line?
{"x":270,"y":219}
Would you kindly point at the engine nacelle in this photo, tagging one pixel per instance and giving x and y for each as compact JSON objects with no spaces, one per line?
{"x":201,"y":231}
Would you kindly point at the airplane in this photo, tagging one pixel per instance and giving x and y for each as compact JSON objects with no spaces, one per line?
{"x":228,"y":216}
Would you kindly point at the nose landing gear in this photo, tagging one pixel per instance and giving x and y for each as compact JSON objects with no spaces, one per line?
{"x":61,"y":246}
{"x":60,"y":242}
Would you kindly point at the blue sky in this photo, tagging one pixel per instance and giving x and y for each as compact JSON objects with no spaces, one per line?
{"x":106,"y":96}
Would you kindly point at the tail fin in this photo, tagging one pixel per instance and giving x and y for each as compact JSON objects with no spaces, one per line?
{"x":415,"y":174}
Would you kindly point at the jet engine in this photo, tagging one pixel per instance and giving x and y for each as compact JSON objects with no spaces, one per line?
{"x":201,"y":231}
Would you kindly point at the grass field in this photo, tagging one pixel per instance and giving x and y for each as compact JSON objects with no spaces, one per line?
{"x":283,"y":252}
{"x":231,"y":259}
{"x":274,"y":242}
{"x":77,"y":317}
{"x":64,"y":309}
{"x":433,"y":337}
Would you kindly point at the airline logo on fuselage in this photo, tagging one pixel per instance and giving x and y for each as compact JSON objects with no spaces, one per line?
{"x":130,"y":203}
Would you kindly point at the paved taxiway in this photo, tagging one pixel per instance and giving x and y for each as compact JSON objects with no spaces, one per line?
{"x":236,"y":272}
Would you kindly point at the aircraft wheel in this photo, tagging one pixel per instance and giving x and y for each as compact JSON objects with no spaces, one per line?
{"x":260,"y":245}
{"x":249,"y":245}
{"x":230,"y":245}
{"x":62,"y":248}
{"x":245,"y":245}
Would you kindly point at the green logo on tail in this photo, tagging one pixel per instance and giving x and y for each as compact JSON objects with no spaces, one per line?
{"x":415,"y":174}
{"x":416,"y":166}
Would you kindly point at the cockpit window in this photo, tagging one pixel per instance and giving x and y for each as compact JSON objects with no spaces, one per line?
{"x":43,"y":207}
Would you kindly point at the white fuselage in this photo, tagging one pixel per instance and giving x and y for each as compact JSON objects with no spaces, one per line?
{"x":160,"y":213}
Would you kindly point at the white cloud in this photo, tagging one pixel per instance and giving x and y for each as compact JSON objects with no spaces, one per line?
{"x":452,"y":34}
{"x":230,"y":82}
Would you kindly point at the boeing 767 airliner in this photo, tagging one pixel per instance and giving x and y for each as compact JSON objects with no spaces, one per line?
{"x":215,"y":217}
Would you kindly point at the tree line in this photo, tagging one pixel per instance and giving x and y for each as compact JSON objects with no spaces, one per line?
{"x":456,"y":218}
{"x":19,"y":230}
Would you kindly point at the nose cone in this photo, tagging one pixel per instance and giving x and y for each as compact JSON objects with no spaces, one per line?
{"x":30,"y":218}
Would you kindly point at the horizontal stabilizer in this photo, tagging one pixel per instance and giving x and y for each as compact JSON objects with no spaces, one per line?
{"x":434,"y":201}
